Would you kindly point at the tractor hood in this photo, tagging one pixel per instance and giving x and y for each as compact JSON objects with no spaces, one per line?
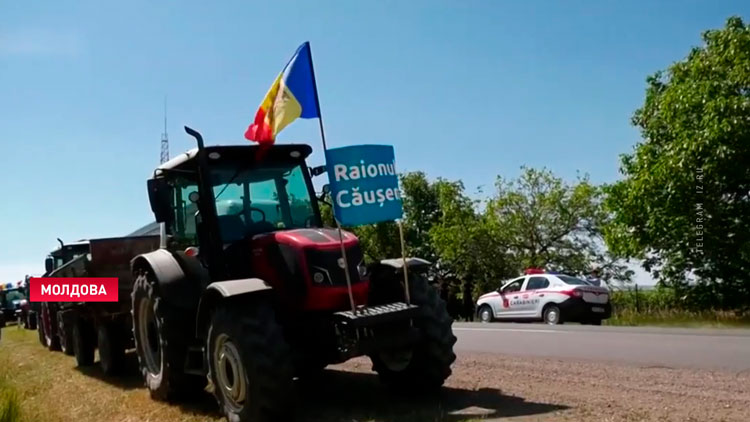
{"x":319,"y":238}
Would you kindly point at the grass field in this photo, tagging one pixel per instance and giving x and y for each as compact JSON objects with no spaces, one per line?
{"x":41,"y":386}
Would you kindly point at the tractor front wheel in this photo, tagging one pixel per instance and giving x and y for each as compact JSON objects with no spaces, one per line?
{"x":249,"y":364}
{"x":428,"y":363}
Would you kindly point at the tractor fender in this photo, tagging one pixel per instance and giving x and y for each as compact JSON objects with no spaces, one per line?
{"x":218,"y":291}
{"x":178,"y":284}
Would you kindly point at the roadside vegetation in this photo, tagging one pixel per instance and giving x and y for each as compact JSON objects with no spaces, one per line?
{"x":682,"y":208}
{"x":664,"y":306}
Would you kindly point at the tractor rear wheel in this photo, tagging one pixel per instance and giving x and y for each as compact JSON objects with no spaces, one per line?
{"x":250,"y":364}
{"x":161,"y":333}
{"x":111,"y":344}
{"x":84,"y":343}
{"x":427,"y":364}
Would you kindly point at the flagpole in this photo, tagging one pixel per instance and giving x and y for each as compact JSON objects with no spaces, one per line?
{"x":325,"y":148}
{"x":317,"y":100}
{"x":403,"y":258}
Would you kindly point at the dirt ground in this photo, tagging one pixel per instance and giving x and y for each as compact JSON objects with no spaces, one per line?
{"x":483,"y":387}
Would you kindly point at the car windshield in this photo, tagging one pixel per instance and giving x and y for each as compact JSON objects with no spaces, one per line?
{"x":573,"y":281}
{"x":249,"y":201}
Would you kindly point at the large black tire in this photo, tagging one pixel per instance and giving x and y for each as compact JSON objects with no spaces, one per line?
{"x":111,"y":343}
{"x":51,"y":340}
{"x":250,"y":364}
{"x":65,"y":322}
{"x":426,"y":367}
{"x":40,"y":330}
{"x":84,"y":343}
{"x":162,"y":334}
{"x":30,"y":320}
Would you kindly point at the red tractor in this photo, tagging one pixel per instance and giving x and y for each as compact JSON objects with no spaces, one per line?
{"x":248,"y":289}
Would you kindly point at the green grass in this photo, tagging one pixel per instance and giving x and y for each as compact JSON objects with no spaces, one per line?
{"x":678,"y":318}
{"x":10,"y":403}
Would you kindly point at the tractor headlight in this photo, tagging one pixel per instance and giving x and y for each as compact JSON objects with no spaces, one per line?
{"x":362,"y":270}
{"x":318,"y":277}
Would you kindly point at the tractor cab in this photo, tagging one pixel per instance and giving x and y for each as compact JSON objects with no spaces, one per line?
{"x":249,"y":211}
{"x":249,"y":192}
{"x":64,"y":254}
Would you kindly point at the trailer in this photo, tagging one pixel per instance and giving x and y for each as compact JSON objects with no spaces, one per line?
{"x":79,"y":328}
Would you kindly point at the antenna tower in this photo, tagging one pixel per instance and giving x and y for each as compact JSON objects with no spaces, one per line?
{"x":164,"y":137}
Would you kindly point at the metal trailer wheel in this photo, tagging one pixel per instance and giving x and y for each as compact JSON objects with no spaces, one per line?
{"x":51,"y":340}
{"x":65,"y":332}
{"x":83,"y":343}
{"x":110,"y":342}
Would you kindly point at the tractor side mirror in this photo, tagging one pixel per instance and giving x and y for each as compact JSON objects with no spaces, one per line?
{"x":49,"y":264}
{"x":160,"y":197}
{"x":317,"y":171}
{"x":325,"y":191}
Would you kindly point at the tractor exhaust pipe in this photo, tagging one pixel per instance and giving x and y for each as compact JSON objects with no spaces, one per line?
{"x":195,"y":134}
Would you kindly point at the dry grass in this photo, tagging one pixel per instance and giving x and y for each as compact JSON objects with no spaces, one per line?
{"x":50,"y":388}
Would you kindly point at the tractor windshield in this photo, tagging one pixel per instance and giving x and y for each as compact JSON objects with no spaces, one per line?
{"x":250,"y":200}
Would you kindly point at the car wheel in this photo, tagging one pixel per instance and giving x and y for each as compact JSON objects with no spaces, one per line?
{"x":552,"y":315}
{"x":485,"y":314}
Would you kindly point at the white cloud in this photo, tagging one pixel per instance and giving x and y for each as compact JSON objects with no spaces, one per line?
{"x":41,"y":42}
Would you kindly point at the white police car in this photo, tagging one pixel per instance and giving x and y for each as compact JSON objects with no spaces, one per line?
{"x":549,"y":297}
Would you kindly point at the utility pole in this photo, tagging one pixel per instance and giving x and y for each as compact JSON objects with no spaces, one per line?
{"x":164,"y":138}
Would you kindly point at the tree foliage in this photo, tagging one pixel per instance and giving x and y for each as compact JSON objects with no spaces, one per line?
{"x":536,"y":220}
{"x":684,"y":201}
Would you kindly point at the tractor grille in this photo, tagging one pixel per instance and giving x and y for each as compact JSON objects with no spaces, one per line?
{"x":326,"y":262}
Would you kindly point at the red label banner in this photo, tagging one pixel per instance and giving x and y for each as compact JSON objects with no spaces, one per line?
{"x":73,"y":289}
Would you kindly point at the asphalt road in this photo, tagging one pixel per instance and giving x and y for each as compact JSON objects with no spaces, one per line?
{"x":723,"y":349}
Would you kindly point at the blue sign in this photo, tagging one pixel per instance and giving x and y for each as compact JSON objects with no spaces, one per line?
{"x":364,"y":184}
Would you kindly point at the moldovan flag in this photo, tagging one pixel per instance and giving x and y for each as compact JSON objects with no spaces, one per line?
{"x":292,"y":95}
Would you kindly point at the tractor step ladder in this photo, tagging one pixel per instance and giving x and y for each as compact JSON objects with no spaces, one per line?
{"x":379,"y":314}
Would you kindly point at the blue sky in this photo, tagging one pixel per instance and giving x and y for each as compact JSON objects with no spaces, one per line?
{"x":464,"y":90}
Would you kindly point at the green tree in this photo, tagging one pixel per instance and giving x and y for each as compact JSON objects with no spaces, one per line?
{"x":468,"y":250}
{"x":421,"y":211}
{"x":684,"y":203}
{"x":546,"y":223}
